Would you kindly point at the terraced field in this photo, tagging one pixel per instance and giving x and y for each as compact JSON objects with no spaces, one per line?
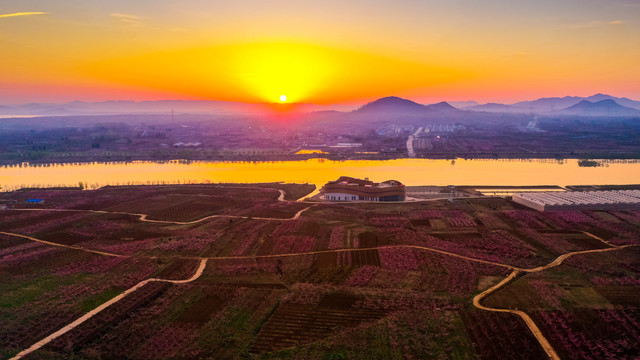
{"x":207,"y":271}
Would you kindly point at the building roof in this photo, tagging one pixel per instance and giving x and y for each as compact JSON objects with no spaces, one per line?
{"x":366,"y":188}
{"x":577,"y":198}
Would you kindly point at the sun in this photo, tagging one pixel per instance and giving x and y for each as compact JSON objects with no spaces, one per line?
{"x":269,"y":70}
{"x":283,"y":98}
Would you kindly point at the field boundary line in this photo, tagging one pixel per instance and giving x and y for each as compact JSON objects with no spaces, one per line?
{"x":599,"y":239}
{"x":63,"y":245}
{"x":363,"y":249}
{"x":554,"y":263}
{"x":560,"y":259}
{"x":92,"y":313}
{"x":243,"y":257}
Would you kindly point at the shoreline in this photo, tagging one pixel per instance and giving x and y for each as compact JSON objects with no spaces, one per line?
{"x":489,"y":174}
{"x":324,"y":157}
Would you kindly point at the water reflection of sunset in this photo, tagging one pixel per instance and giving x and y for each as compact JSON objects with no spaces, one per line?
{"x":411,"y":172}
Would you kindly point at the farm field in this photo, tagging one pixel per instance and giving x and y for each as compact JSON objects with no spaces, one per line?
{"x":247,"y":272}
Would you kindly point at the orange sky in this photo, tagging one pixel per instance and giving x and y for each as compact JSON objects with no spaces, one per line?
{"x":318,"y":52}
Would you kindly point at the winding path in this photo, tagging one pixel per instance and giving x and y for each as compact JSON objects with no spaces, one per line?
{"x":244,"y":257}
{"x":92,"y":313}
{"x":63,"y":245}
{"x":546,"y":346}
{"x":143,"y":217}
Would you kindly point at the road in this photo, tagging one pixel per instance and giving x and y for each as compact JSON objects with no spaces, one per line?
{"x":410,"y":151}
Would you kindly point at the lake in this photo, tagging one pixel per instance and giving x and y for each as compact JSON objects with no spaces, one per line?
{"x":318,"y":171}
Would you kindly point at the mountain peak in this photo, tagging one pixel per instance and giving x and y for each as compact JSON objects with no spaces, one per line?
{"x":442,"y":106}
{"x":598,"y":97}
{"x":600,"y":103}
{"x":392,"y":104}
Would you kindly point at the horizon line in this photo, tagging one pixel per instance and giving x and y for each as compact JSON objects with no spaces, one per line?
{"x":354,"y":103}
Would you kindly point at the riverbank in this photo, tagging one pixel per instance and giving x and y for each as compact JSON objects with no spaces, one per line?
{"x":318,"y":171}
{"x":15,"y":158}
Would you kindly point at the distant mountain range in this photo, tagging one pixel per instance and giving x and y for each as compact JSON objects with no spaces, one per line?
{"x":393,"y":104}
{"x":604,"y":108}
{"x":150,"y":107}
{"x":558,"y":105}
{"x":463,"y":104}
{"x":398,"y":110}
{"x":391,"y":108}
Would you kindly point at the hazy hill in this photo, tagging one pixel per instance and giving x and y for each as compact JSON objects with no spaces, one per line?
{"x":163,"y":107}
{"x":392,"y":104}
{"x":547,"y":105}
{"x":491,"y":107}
{"x":556,"y":103}
{"x":550,"y":105}
{"x":392,"y":108}
{"x":443,"y":107}
{"x":605,"y":108}
{"x":621,"y":101}
{"x":463,"y":104}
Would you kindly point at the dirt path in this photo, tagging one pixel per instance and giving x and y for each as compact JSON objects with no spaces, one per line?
{"x":527,"y":319}
{"x":366,"y":249}
{"x":563,"y":257}
{"x":554,"y":263}
{"x":143,"y":217}
{"x":90,"y":314}
{"x":63,"y":245}
{"x":244,"y":257}
{"x":599,"y":239}
{"x":546,"y":346}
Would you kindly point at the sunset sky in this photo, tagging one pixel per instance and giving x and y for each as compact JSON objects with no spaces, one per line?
{"x":319,"y":52}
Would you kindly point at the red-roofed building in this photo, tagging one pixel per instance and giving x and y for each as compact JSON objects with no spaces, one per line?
{"x":352,"y":189}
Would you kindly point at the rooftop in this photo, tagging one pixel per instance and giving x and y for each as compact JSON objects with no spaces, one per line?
{"x":582,"y":197}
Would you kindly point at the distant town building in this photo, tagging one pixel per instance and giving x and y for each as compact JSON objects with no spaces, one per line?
{"x":352,"y":189}
{"x":347,"y":145}
{"x":580,"y":200}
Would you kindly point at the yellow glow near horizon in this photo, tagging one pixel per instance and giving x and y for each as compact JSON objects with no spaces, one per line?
{"x":269,"y":70}
{"x":263,"y":72}
{"x":317,"y":52}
